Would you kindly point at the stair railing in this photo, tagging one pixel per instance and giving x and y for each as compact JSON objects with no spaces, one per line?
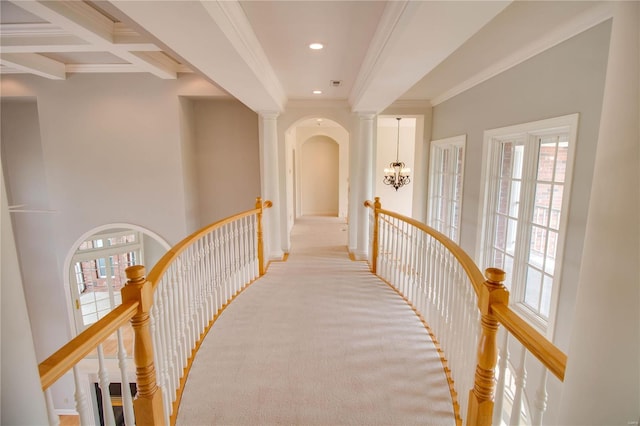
{"x":170,"y":310}
{"x":461,"y":309}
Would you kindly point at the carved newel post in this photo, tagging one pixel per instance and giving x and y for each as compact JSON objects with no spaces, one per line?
{"x":480,"y":410}
{"x":148,"y":403}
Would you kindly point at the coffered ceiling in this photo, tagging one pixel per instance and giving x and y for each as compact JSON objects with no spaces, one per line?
{"x":375,"y":52}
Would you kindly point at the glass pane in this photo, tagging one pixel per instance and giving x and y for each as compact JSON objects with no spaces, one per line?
{"x":546,"y":159}
{"x":537,"y":245}
{"x":558,"y":191}
{"x":511,"y":236}
{"x":561,"y":161}
{"x":517,"y":161}
{"x":540,"y":215}
{"x":515,"y":199}
{"x":543,"y":195}
{"x":503,"y":197}
{"x":533,"y":287}
{"x":508,"y":268}
{"x":501,"y":232}
{"x":506,"y":159}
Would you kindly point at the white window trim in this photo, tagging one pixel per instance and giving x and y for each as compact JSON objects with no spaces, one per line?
{"x":454,"y":141}
{"x":566,"y":123}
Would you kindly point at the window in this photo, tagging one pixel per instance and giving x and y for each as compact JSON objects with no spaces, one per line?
{"x":445,"y":191}
{"x":527,"y":184}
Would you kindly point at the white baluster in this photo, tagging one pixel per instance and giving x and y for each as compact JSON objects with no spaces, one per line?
{"x":211,"y":310}
{"x":502,"y":368}
{"x":520,"y":379}
{"x":103,"y":381}
{"x":125,"y":391}
{"x":540,"y":404}
{"x":82,"y":402}
{"x":184,"y":315}
{"x":54,"y":419}
{"x":174,"y":335}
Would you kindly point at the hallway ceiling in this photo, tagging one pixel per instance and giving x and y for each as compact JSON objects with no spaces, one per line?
{"x":376,"y":52}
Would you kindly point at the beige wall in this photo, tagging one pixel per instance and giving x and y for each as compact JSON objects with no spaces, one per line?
{"x":228,"y":162}
{"x":319,"y":171}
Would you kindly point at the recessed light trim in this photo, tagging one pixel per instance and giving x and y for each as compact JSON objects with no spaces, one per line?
{"x":316,"y":46}
{"x":317,"y":92}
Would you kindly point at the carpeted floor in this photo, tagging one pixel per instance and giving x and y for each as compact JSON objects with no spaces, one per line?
{"x":318,"y":340}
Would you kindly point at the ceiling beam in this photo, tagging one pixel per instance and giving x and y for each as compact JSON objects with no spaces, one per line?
{"x":214,"y":38}
{"x":47,"y":38}
{"x":81,"y":20}
{"x":34,"y":64}
{"x":413,"y":38}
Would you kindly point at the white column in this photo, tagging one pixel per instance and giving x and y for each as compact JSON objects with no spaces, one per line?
{"x":602,"y":381}
{"x":270,"y":178}
{"x":362,"y":178}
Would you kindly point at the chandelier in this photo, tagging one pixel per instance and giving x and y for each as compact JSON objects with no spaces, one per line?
{"x":397,"y":174}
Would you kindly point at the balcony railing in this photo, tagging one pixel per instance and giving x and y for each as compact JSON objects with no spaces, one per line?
{"x":462,"y":311}
{"x":171,"y":311}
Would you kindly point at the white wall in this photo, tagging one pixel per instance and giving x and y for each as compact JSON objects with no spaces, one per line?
{"x":421,"y":111}
{"x":319,"y":171}
{"x":566,"y":79}
{"x":602,"y":383}
{"x":228,"y":161}
{"x":22,"y":400}
{"x":189,"y":158}
{"x":96,"y":149}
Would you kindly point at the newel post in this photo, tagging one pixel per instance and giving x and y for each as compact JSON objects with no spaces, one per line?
{"x":374,"y":256}
{"x":260,"y":207}
{"x":148,"y":403}
{"x":480,"y":410}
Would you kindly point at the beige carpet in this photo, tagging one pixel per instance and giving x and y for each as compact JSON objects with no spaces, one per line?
{"x":318,"y":340}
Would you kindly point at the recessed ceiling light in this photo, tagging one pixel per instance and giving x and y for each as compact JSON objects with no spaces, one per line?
{"x":317,"y":92}
{"x":316,"y":46}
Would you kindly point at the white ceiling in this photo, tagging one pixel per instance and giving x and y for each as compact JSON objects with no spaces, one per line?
{"x":257,"y":51}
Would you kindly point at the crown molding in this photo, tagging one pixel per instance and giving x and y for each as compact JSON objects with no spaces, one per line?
{"x":580,"y":23}
{"x":410,"y":104}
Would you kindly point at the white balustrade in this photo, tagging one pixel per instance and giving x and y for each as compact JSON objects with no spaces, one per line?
{"x":436,"y":285}
{"x":201,"y":280}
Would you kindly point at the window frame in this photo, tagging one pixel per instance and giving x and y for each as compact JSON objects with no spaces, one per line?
{"x":451,"y":143}
{"x":530,"y":135}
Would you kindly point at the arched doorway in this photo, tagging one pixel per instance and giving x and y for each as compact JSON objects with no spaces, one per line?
{"x":94,"y":268}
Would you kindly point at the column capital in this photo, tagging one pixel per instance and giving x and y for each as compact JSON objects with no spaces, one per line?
{"x":269,"y":115}
{"x":365,"y":115}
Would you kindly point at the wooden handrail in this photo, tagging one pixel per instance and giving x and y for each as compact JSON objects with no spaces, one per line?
{"x":549,"y":355}
{"x":493,"y":303}
{"x":473,"y":272}
{"x":63,"y":360}
{"x":161,"y":266}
